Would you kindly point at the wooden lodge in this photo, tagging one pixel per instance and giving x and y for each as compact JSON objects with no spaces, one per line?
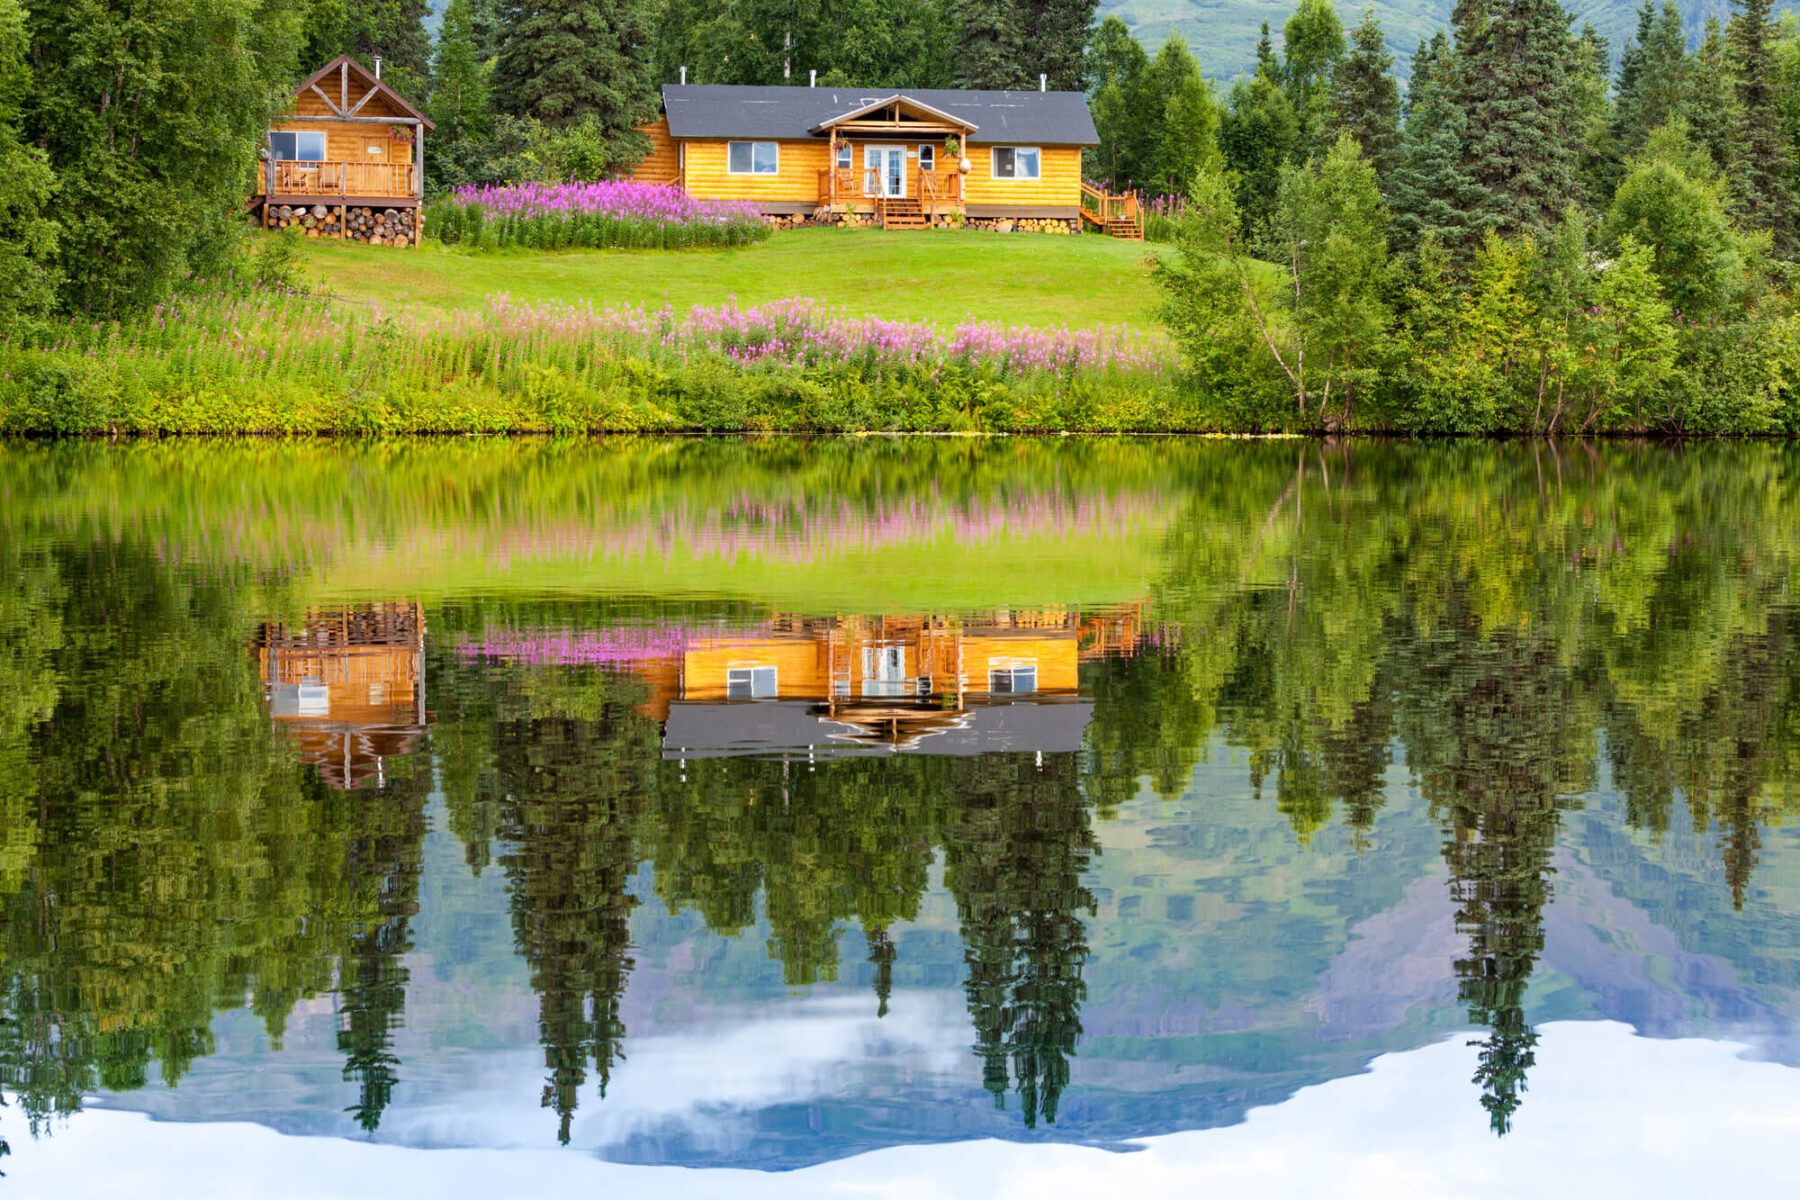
{"x":347,"y":686}
{"x":906,"y":160}
{"x":347,"y":161}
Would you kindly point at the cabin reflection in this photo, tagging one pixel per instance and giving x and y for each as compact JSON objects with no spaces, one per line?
{"x":1003,"y":680}
{"x":347,"y":686}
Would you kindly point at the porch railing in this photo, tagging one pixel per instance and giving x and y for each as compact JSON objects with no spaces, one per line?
{"x":1103,"y":208}
{"x":940,"y":186}
{"x":936,"y":187}
{"x":344,"y":179}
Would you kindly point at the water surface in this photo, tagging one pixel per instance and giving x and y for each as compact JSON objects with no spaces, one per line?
{"x":979,"y":816}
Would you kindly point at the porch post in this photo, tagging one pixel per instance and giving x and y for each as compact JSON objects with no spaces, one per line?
{"x":269,"y":170}
{"x":831,"y":173}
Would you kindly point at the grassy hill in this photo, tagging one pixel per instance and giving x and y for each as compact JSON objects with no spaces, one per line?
{"x":927,"y":275}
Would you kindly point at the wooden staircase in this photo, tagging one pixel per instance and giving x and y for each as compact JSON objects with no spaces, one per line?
{"x":902,"y":213}
{"x":1114,"y":215}
{"x":1130,"y":228}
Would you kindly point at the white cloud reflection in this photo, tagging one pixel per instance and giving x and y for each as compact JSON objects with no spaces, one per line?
{"x":1608,"y":1114}
{"x":705,"y":1085}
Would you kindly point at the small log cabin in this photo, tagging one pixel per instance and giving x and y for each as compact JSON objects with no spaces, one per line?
{"x":347,"y":161}
{"x":907,"y":160}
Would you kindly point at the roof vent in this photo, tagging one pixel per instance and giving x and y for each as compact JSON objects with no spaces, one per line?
{"x":1043,"y":82}
{"x":684,"y":77}
{"x":812,"y":78}
{"x":378,"y":66}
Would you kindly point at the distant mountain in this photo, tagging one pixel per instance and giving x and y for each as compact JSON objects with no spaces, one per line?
{"x":1222,"y":33}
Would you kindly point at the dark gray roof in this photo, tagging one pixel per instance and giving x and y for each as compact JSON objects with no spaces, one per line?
{"x":721,"y":111}
{"x":795,"y":728}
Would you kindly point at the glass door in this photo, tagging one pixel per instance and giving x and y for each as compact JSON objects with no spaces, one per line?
{"x":894,"y":182}
{"x":884,"y":171}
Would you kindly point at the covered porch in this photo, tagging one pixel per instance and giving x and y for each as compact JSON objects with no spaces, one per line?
{"x":896,"y":159}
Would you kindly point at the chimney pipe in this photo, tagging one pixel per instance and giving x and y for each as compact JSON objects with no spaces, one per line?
{"x":1043,"y":82}
{"x":684,"y":76}
{"x":812,"y":78}
{"x":378,"y":66}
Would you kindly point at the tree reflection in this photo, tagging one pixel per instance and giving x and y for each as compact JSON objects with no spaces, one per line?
{"x":1017,"y":841}
{"x":573,"y":792}
{"x":384,"y":840}
{"x":1492,"y":735}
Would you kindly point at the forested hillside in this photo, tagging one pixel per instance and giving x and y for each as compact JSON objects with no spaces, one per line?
{"x":1222,"y":33}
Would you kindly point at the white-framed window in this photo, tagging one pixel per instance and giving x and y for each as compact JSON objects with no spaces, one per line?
{"x":753,"y":158}
{"x":1017,"y":162}
{"x":844,"y":159}
{"x":297,"y":147}
{"x":1012,"y":676}
{"x":927,"y":158}
{"x":749,"y":683}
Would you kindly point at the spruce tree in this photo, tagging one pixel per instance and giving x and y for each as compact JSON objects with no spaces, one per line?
{"x":1009,"y":43}
{"x":1653,"y":78}
{"x":1597,"y":168}
{"x":1365,"y":100}
{"x":1430,"y":192}
{"x":1056,"y":37}
{"x":1711,"y":106}
{"x":990,"y":47}
{"x":394,"y":30}
{"x":1764,"y":179}
{"x":566,"y":61}
{"x":487,"y":27}
{"x":1515,"y":76}
{"x":1424,"y":64}
{"x":459,"y":78}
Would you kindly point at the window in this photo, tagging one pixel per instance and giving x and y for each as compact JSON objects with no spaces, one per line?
{"x":1012,"y":676}
{"x":927,"y":158}
{"x":1016,"y":162}
{"x":754,"y":158}
{"x":843,"y":158}
{"x":297,"y":147}
{"x":749,"y":683}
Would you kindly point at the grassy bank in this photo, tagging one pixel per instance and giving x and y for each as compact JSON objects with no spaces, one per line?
{"x":261,"y":362}
{"x":941,"y":276}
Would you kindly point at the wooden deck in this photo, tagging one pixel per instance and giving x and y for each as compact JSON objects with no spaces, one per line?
{"x":1117,"y":216}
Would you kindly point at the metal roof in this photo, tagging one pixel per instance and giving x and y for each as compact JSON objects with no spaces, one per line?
{"x":797,"y":729}
{"x":792,"y":113}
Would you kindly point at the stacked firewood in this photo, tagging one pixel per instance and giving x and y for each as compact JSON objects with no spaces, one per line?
{"x":317,"y":220}
{"x":377,"y":226}
{"x":381,"y":226}
{"x":1026,"y":224}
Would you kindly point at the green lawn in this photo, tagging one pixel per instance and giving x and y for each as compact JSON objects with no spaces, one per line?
{"x":1019,"y":279}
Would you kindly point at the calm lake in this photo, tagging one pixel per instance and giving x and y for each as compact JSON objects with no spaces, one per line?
{"x":899,"y":818}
